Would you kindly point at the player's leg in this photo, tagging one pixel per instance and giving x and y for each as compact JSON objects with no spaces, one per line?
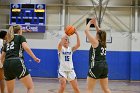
{"x":10,"y":86}
{"x":73,"y":81}
{"x":9,"y":76}
{"x":104,"y":85}
{"x":74,"y":85}
{"x":93,"y":75}
{"x":104,"y":79}
{"x":91,"y":82}
{"x":62,"y":85}
{"x":28,"y":83}
{"x":2,"y":85}
{"x":62,"y":75}
{"x":23,"y":75}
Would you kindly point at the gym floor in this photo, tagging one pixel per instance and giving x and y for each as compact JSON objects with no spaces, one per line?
{"x":43,"y":85}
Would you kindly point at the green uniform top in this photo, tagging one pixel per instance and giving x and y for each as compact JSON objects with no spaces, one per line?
{"x":97,"y":54}
{"x":14,"y":48}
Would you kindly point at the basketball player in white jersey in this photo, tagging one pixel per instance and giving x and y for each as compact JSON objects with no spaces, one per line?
{"x":66,"y":70}
{"x":2,"y":84}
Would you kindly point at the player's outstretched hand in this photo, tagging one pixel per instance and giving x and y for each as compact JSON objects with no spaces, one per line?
{"x":37,"y":60}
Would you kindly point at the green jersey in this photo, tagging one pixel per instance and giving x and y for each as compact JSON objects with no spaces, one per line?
{"x":97,"y":54}
{"x":14,"y":48}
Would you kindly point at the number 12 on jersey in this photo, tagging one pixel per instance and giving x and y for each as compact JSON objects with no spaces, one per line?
{"x":67,"y":58}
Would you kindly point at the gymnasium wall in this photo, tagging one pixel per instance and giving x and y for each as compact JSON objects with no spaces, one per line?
{"x":122,"y":56}
{"x":122,"y":53}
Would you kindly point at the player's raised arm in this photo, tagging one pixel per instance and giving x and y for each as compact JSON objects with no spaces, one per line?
{"x":78,"y":42}
{"x":60,"y":44}
{"x":92,"y":39}
{"x":94,"y":21}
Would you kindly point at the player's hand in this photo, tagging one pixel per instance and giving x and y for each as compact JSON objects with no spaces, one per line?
{"x":93,"y":21}
{"x":64,"y":38}
{"x":37,"y":60}
{"x":76,"y":32}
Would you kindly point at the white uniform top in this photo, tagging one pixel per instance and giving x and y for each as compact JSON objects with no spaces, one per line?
{"x":1,"y":44}
{"x":65,"y":59}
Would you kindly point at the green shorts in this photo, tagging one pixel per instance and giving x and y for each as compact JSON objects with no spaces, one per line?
{"x":99,"y":71}
{"x":14,"y":68}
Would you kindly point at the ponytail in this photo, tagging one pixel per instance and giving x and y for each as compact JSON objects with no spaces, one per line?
{"x":102,"y":38}
{"x":13,"y":30}
{"x":10,"y":34}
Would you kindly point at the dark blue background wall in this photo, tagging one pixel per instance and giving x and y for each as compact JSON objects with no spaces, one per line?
{"x":123,"y":65}
{"x":135,"y":66}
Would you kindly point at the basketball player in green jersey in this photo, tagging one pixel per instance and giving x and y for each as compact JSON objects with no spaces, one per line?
{"x":98,"y":68}
{"x":13,"y":62}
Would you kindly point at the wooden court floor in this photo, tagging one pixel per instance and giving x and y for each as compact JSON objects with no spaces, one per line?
{"x":44,"y":85}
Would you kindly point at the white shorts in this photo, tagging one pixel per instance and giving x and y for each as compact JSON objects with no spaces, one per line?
{"x":69,"y":75}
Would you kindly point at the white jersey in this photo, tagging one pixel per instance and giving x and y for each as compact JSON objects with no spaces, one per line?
{"x":65,"y":59}
{"x":1,"y":44}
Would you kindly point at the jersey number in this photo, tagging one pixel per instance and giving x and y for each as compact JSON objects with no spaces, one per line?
{"x":10,"y":46}
{"x":67,"y":58}
{"x":103,"y":51}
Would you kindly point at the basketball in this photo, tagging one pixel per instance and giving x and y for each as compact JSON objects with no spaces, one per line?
{"x":70,"y":30}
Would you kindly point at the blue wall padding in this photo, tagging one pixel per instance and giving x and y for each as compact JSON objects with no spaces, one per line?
{"x":123,"y":65}
{"x":135,"y":66}
{"x":119,"y":65}
{"x":48,"y":65}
